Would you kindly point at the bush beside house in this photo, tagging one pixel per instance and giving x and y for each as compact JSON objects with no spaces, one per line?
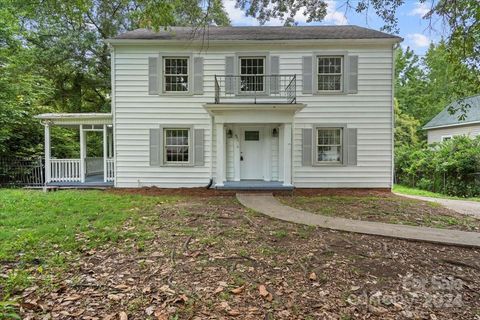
{"x":451,"y":167}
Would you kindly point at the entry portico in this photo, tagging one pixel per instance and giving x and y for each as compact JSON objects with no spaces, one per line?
{"x":253,"y":143}
{"x":82,"y":171}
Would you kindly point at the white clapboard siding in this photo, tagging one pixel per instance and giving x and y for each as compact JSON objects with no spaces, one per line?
{"x":435,"y":135}
{"x":370,"y":111}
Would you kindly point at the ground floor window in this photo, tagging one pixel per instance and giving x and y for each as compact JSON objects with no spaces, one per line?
{"x":329,"y":145}
{"x":177,"y":145}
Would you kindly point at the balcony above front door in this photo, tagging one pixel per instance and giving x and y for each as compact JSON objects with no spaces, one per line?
{"x":253,"y":88}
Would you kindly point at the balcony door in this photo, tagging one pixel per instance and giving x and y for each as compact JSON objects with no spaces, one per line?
{"x":252,"y":75}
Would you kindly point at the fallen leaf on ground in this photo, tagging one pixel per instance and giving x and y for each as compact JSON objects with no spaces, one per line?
{"x":73,"y":297}
{"x":313,"y":276}
{"x":237,"y":290}
{"x":123,"y":315}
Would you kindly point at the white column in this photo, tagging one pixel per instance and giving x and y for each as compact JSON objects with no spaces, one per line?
{"x":83,"y":154}
{"x":267,"y":153}
{"x":105,"y":152}
{"x":236,"y":154}
{"x":280,"y":153}
{"x":47,"y":153}
{"x":287,"y":154}
{"x":220,"y":154}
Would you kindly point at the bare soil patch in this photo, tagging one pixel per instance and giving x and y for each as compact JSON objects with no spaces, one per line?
{"x":210,"y":258}
{"x":383,"y":207}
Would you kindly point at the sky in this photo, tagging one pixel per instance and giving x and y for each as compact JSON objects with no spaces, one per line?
{"x":415,"y":30}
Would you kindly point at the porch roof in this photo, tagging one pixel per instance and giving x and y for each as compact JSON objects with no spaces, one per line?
{"x":75,"y":118}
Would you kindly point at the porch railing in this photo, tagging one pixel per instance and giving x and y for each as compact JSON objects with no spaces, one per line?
{"x":256,"y":88}
{"x":65,"y":170}
{"x":93,"y":166}
{"x":110,"y":170}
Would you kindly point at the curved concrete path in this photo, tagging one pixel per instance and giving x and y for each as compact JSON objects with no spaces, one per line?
{"x":267,"y":204}
{"x":470,"y":208}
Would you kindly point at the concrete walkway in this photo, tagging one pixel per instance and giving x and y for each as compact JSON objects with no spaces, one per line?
{"x":267,"y":204}
{"x":471,"y":208}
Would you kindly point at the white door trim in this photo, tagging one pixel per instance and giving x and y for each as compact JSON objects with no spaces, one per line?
{"x":263,"y":148}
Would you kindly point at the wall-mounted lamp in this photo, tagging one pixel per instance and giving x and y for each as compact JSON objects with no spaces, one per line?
{"x":275,"y":132}
{"x":229,"y":134}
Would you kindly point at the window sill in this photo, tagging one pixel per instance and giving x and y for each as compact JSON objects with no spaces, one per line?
{"x":319,"y":164}
{"x":330,"y":93}
{"x":182,"y":165}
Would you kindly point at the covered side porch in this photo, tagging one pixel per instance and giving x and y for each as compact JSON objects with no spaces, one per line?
{"x":84,"y":171}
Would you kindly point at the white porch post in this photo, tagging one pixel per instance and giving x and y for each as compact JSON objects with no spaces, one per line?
{"x":287,"y":154}
{"x":236,"y":154}
{"x":220,"y":154}
{"x":105,"y":152}
{"x":83,"y":149}
{"x":47,"y":153}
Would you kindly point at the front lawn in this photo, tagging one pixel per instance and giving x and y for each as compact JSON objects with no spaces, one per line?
{"x":383,"y":208}
{"x":197,"y":257}
{"x":418,"y":192}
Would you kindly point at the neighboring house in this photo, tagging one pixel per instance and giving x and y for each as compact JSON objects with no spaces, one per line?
{"x":445,"y":125}
{"x":242,"y":107}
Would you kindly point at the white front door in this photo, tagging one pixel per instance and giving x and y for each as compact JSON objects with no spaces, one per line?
{"x":251,"y":154}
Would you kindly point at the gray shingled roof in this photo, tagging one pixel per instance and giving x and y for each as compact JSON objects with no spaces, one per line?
{"x":258,"y":33}
{"x":444,"y":118}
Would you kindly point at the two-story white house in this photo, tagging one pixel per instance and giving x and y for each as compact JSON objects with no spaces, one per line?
{"x":241,"y":108}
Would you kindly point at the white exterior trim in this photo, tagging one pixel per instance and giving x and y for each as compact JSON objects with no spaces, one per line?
{"x":47,"y":153}
{"x":452,"y":125}
{"x":284,"y":43}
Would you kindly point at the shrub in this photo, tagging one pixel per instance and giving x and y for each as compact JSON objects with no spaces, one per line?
{"x":450,"y":167}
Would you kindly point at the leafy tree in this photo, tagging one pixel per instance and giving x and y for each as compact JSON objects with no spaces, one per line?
{"x":53,"y":58}
{"x":406,"y":128}
{"x":425,"y":86}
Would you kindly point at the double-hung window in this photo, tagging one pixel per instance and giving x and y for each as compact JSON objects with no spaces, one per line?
{"x":177,"y":145}
{"x":175,"y":74}
{"x":329,"y":145}
{"x":252,"y":74}
{"x":330,"y":73}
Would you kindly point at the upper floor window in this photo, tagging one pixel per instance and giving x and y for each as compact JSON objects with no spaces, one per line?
{"x":175,"y":74}
{"x":329,"y":145}
{"x":330,"y":73}
{"x":177,"y":145}
{"x":252,"y":71}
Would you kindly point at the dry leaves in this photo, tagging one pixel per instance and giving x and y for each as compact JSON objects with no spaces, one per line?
{"x":264,"y":292}
{"x":237,"y":290}
{"x":123,"y":315}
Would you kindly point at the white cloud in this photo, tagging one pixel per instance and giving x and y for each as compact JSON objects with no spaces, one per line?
{"x":419,"y":40}
{"x":238,"y":18}
{"x":420,"y":9}
{"x":334,"y":16}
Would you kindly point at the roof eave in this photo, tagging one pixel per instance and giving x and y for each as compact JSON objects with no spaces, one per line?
{"x":293,"y":42}
{"x":450,"y":125}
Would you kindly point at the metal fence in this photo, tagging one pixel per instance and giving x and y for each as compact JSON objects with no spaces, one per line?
{"x":21,"y":172}
{"x":256,"y":88}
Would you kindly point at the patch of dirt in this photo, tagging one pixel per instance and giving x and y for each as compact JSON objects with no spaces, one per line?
{"x":383,"y":207}
{"x":210,"y":258}
{"x":205,"y":192}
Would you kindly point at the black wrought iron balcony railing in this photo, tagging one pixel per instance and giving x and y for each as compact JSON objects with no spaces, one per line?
{"x":256,"y":88}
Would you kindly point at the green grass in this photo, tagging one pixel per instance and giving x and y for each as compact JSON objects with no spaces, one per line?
{"x":40,"y":233}
{"x":417,"y":192}
{"x":35,"y":225}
